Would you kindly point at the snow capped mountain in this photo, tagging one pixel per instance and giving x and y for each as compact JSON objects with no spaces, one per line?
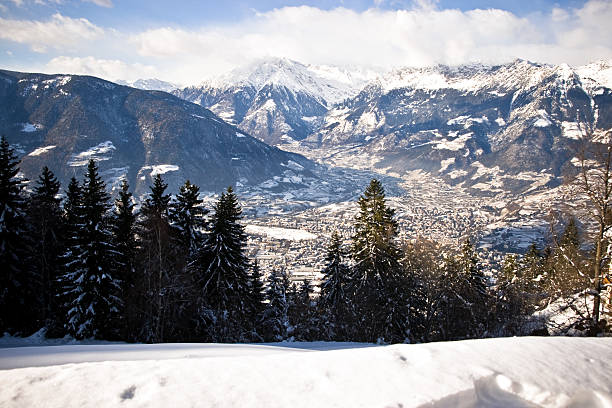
{"x":152,"y":84}
{"x":510,"y":127}
{"x":328,"y":84}
{"x":277,"y":100}
{"x":63,"y":121}
{"x":597,"y":74}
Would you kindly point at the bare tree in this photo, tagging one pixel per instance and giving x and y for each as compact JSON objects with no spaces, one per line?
{"x":593,"y":187}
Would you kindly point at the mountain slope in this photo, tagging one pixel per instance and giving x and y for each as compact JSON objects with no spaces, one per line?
{"x":512,"y":127}
{"x":151,"y":84}
{"x":62,"y":121}
{"x":277,"y":100}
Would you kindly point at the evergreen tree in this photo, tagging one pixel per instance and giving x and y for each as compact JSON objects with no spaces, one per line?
{"x":74,"y":221}
{"x":568,"y":263}
{"x":423,"y":264}
{"x":257,"y":302}
{"x":222,"y":271}
{"x":91,"y":290}
{"x":465,"y":305}
{"x":158,"y":283}
{"x":276,"y":314}
{"x":335,"y":303}
{"x":379,"y":285}
{"x":473,"y":290}
{"x":188,"y":215}
{"x":534,"y":272}
{"x":511,"y":306}
{"x":123,"y":227}
{"x":306,"y":320}
{"x":47,"y":230}
{"x":16,"y":297}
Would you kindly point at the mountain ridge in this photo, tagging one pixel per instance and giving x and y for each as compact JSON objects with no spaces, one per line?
{"x":63,"y":120}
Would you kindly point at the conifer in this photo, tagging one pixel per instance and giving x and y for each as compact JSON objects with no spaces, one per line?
{"x":335,"y":303}
{"x":47,"y":243}
{"x":16,"y":313}
{"x":379,"y":284}
{"x":221,"y":269}
{"x":92,"y":293}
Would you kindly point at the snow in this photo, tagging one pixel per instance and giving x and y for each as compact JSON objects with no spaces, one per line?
{"x":293,"y":165}
{"x":161,"y":169}
{"x":327,"y":83}
{"x":458,"y":120}
{"x":445,"y":163}
{"x":58,"y":81}
{"x":42,"y":150}
{"x":97,"y":153}
{"x":543,"y":120}
{"x":29,"y":127}
{"x":453,"y":145}
{"x":599,"y":72}
{"x":542,"y":123}
{"x":288,"y":234}
{"x":506,"y":372}
{"x":571,"y":130}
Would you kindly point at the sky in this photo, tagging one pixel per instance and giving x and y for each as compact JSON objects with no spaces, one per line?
{"x":187,"y":42}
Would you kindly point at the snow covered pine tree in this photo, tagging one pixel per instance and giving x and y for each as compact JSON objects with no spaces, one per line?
{"x":92,"y":292}
{"x":16,"y":313}
{"x":221,"y":269}
{"x":378,"y":281}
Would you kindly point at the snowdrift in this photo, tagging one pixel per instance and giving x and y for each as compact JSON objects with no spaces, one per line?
{"x":506,"y":372}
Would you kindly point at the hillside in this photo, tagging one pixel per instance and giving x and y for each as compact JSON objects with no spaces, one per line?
{"x":63,"y":121}
{"x":505,"y":372}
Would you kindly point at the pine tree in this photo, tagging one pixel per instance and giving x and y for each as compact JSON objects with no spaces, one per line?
{"x":91,"y":290}
{"x":73,"y":221}
{"x":423,"y":264}
{"x":335,"y":303}
{"x":473,"y":290}
{"x":188,"y":215}
{"x":221,"y":268}
{"x":123,"y":227}
{"x":257,"y":305}
{"x":47,"y":237}
{"x":306,"y":319}
{"x":379,"y":284}
{"x":158,"y":282}
{"x":465,"y":303}
{"x":568,"y":263}
{"x":276,"y":318}
{"x":511,"y":308}
{"x":16,"y":312}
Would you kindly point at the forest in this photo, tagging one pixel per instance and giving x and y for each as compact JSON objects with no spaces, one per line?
{"x":76,"y":263}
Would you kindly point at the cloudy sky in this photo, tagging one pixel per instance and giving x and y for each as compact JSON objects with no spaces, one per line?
{"x":189,"y":41}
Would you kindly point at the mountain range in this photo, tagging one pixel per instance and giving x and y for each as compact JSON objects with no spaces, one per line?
{"x":62,"y":121}
{"x":490,"y":128}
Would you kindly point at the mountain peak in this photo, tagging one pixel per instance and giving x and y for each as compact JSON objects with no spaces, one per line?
{"x":150,"y":84}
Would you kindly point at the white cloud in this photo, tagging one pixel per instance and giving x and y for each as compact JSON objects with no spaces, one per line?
{"x":101,"y":3}
{"x":421,"y":34}
{"x":59,"y":32}
{"x":103,"y":68}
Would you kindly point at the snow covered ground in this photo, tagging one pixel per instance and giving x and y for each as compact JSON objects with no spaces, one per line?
{"x":507,"y":372}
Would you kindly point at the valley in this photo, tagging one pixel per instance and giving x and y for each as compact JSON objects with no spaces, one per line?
{"x":469,"y":151}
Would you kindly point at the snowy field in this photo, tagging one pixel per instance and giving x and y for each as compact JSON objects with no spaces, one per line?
{"x":507,"y":372}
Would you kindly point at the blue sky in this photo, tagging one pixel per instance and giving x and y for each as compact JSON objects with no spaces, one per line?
{"x":193,"y":13}
{"x":188,"y":41}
